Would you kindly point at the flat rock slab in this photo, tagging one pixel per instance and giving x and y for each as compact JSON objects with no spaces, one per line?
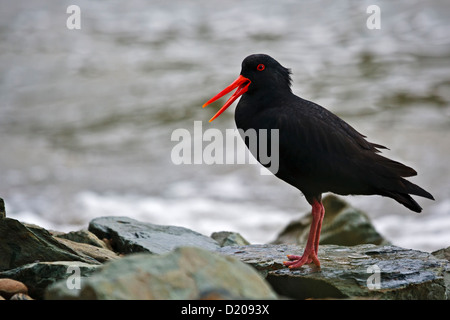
{"x":128,"y":236}
{"x":385,"y":272}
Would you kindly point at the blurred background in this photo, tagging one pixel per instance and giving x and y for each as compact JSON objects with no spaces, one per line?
{"x":86,"y":116}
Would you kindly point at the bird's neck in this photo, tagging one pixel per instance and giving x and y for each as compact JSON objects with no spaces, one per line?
{"x":253,"y":107}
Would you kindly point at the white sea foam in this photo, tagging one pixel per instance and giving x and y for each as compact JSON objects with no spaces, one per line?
{"x":423,"y":232}
{"x":257,"y":224}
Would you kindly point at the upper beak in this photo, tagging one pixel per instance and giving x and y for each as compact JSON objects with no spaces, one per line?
{"x":241,"y":83}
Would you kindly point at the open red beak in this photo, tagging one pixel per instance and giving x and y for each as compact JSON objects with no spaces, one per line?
{"x":241,"y":83}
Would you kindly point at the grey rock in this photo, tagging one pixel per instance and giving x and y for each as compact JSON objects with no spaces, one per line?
{"x":185,"y":273}
{"x":342,"y":225}
{"x":227,"y":238}
{"x":348,"y":272}
{"x":37,"y":276}
{"x":128,"y":236}
{"x":22,"y":244}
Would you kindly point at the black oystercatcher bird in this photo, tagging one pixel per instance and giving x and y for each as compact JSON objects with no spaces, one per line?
{"x":318,"y":151}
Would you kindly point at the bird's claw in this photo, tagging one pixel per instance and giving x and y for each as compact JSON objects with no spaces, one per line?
{"x":298,"y":261}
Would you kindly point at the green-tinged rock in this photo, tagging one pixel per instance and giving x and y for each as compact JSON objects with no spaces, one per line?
{"x":445,"y":254}
{"x":384,"y":272}
{"x":128,"y":236}
{"x":227,"y":238}
{"x":22,"y":244}
{"x":342,"y":225}
{"x":37,"y":276}
{"x":442,"y":253}
{"x":185,"y":273}
{"x":80,"y":245}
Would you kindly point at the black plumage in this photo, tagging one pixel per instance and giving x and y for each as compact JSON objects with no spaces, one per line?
{"x":318,"y":151}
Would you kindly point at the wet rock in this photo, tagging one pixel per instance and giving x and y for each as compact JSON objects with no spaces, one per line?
{"x":185,"y":273}
{"x":384,"y":272}
{"x":128,"y":236}
{"x":84,"y":249}
{"x":9,"y":287}
{"x":84,"y":243}
{"x":84,"y":236}
{"x":342,"y":225}
{"x":37,"y":276}
{"x":227,"y":238}
{"x":2,"y":209}
{"x":21,"y":244}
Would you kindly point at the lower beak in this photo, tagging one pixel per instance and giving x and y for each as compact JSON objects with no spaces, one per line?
{"x":241,"y":83}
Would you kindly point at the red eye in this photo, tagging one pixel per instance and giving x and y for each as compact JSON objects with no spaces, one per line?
{"x":260,"y":67}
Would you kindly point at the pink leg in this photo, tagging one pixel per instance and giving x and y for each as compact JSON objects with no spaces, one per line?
{"x":319,"y":227}
{"x":312,"y":245}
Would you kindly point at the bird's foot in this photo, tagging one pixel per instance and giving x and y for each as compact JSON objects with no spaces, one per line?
{"x":298,"y":261}
{"x":312,"y":245}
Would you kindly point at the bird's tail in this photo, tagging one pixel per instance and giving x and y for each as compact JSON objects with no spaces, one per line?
{"x":404,"y":197}
{"x":390,"y":182}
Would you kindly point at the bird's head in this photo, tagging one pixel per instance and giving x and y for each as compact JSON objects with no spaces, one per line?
{"x":260,"y":73}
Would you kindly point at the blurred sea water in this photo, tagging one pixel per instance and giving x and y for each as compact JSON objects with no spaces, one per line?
{"x":86,"y":116}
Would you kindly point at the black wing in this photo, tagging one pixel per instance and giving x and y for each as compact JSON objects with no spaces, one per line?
{"x":320,"y":152}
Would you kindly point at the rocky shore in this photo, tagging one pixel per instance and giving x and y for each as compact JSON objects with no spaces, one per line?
{"x":122,"y":258}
